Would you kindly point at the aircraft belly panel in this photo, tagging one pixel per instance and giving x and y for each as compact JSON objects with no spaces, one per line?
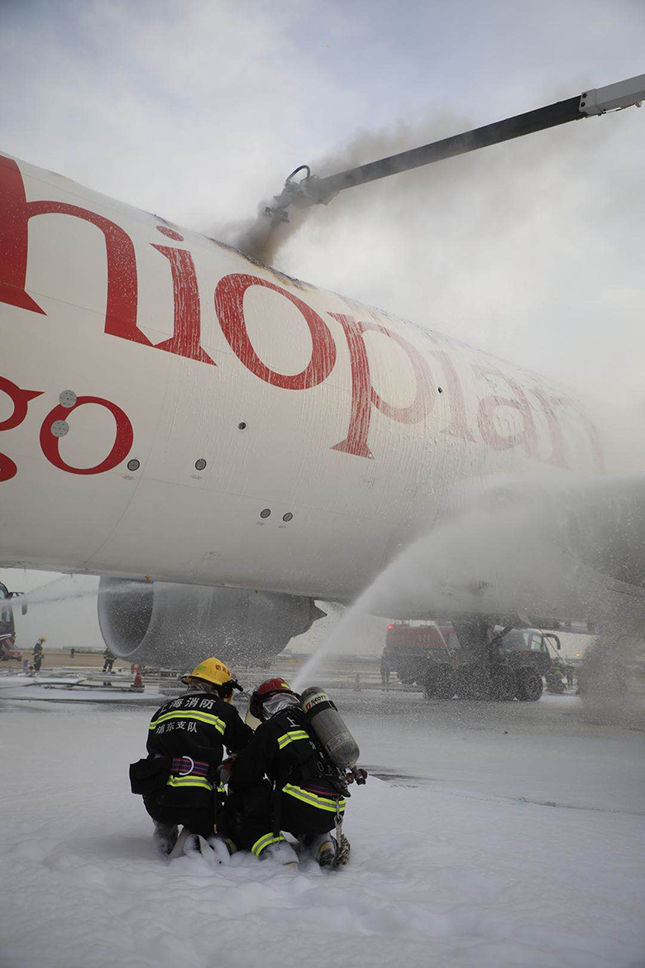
{"x":200,"y":540}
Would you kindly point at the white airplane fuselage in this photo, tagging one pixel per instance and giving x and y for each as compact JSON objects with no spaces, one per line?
{"x":170,"y":408}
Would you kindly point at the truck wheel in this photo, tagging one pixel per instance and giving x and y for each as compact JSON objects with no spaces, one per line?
{"x":468,"y":684}
{"x":503,"y":686}
{"x":530,"y":686}
{"x":445,"y":686}
{"x":430,"y":685}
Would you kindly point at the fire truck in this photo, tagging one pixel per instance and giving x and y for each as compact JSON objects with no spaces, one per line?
{"x":503,"y":664}
{"x":8,"y":648}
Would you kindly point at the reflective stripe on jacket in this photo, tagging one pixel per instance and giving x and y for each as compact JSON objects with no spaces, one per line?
{"x":283,"y":748}
{"x":193,"y":730}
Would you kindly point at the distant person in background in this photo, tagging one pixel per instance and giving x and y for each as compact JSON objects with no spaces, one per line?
{"x":38,"y":653}
{"x":109,"y":660}
{"x":385,"y":669}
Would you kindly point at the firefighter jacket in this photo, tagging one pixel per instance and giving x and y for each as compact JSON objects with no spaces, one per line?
{"x":191,"y":732}
{"x":284,"y":749}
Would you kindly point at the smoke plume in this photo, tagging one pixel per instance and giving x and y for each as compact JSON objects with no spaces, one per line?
{"x":262,"y":237}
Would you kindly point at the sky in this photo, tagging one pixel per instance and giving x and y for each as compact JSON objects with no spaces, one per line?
{"x":198,"y":110}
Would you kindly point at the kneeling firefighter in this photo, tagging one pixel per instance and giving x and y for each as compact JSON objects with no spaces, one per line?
{"x":186,"y":740}
{"x":306,"y":789}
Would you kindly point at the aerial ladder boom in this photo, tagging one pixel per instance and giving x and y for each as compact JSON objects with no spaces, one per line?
{"x":311,"y":190}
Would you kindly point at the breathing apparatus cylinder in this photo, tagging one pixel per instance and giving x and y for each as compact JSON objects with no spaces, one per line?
{"x":328,"y":725}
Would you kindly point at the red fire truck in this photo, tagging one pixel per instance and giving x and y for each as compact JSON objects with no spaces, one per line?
{"x":509,"y":663}
{"x":8,"y":648}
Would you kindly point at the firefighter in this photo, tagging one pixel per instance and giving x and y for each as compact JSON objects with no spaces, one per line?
{"x":186,"y":739}
{"x":301,"y":795}
{"x":38,"y":653}
{"x":385,"y":668}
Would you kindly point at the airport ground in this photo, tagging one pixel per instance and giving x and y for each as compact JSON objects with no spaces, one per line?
{"x":93,"y":659}
{"x":488,"y":835}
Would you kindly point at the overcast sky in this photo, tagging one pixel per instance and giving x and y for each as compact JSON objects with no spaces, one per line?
{"x":198,"y":109}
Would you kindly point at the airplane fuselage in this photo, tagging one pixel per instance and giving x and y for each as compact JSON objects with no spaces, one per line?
{"x":170,"y":408}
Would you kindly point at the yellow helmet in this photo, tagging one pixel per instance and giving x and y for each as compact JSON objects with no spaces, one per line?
{"x":212,"y":670}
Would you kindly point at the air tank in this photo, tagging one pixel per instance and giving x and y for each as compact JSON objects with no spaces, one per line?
{"x":328,"y":725}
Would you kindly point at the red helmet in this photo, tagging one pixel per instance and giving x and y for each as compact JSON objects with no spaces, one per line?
{"x":266,"y":689}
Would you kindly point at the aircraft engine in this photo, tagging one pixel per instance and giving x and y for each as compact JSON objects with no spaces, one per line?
{"x":160,"y":623}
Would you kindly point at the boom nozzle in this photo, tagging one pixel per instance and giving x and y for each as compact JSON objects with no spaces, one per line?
{"x":311,"y":190}
{"x":614,"y":97}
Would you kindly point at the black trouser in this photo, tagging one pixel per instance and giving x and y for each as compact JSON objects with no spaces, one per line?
{"x":254,"y":811}
{"x":197,"y":813}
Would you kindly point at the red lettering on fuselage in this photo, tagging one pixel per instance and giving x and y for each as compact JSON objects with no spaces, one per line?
{"x":7,"y":468}
{"x":364,"y":396}
{"x":121,"y":300}
{"x":20,"y":399}
{"x":458,"y":426}
{"x":15,"y":212}
{"x":229,"y":305}
{"x":186,"y":339}
{"x":119,"y":451}
{"x":489,"y":408}
{"x":556,"y":457}
{"x":592,"y":430}
{"x":121,"y":320}
{"x":14,"y":238}
{"x":122,"y":286}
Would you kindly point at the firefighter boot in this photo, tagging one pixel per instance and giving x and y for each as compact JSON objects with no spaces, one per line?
{"x":282,"y":852}
{"x":322,"y":848}
{"x":212,"y":849}
{"x":221,"y":849}
{"x":164,"y":837}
